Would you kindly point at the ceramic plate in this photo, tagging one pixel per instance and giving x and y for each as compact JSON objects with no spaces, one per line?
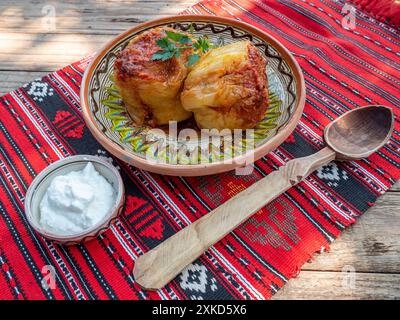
{"x":165,"y":152}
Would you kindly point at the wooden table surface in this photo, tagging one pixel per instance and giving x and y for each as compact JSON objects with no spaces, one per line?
{"x":30,"y":47}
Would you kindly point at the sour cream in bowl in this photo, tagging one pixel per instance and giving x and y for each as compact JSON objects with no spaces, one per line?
{"x":75,"y":199}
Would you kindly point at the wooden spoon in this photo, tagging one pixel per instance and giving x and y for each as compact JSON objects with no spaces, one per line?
{"x":354,"y":135}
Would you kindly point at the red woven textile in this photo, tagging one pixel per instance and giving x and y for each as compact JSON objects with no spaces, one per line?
{"x":344,"y":68}
{"x":384,"y":10}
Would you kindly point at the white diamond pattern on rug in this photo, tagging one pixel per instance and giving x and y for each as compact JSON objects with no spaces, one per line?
{"x":332,"y":174}
{"x":195,"y":278}
{"x":39,"y":90}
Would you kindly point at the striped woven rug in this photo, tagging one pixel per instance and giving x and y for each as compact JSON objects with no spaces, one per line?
{"x":345,"y":66}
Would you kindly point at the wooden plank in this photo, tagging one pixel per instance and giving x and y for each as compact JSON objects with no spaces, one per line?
{"x":45,"y":51}
{"x":34,"y":7}
{"x":372,"y":244}
{"x":76,"y":4}
{"x":86,"y":16}
{"x":337,"y":285}
{"x":10,"y":80}
{"x":83,"y":25}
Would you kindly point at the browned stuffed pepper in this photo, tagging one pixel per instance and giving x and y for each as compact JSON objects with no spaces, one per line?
{"x":227,"y":88}
{"x":151,"y":89}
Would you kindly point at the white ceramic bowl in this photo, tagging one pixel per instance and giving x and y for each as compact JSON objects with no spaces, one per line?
{"x":40,"y":184}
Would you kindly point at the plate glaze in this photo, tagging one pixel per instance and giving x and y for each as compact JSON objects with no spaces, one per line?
{"x":161,"y":152}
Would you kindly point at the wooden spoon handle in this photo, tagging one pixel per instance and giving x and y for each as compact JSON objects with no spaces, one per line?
{"x":156,"y":268}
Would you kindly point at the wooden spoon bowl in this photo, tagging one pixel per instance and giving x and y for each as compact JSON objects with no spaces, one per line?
{"x":360,"y":132}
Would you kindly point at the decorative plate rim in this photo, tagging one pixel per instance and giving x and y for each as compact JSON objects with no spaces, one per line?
{"x":202,"y":168}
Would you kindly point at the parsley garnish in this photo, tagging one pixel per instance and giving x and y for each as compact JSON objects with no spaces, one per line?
{"x":202,"y":44}
{"x":173,"y":44}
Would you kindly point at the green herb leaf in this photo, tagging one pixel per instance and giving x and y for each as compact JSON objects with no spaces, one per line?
{"x":202,"y":44}
{"x":178,"y":37}
{"x":173,"y":35}
{"x":171,"y":46}
{"x":192,"y":59}
{"x":174,"y":43}
{"x":162,"y":55}
{"x":163,"y":43}
{"x":158,"y":55}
